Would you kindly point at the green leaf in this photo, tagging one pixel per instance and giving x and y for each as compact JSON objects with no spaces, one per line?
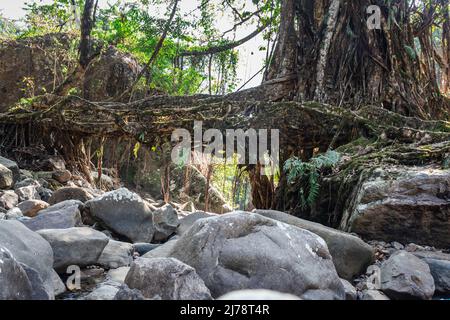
{"x":411,"y":52}
{"x":136,"y":149}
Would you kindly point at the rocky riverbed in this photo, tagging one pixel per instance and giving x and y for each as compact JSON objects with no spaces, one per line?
{"x":62,"y":238}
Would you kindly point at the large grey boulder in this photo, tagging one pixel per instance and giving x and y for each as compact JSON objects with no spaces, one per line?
{"x":14,"y":283}
{"x":11,"y":165}
{"x":404,"y":276}
{"x":439,"y":264}
{"x":63,"y":215}
{"x":257,"y":294}
{"x":34,"y":254}
{"x":70,"y":193}
{"x":75,"y":246}
{"x":116,"y":254}
{"x":404,"y":204}
{"x":124,"y":213}
{"x":8,"y":199}
{"x":243,"y":250}
{"x":188,"y":221}
{"x":6,"y":177}
{"x":166,"y":278}
{"x":351,"y":255}
{"x":165,"y":220}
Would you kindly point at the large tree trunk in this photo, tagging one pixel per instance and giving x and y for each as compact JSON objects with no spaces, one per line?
{"x":337,"y":59}
{"x":445,"y":82}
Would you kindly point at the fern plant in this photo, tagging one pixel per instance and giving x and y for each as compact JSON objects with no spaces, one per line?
{"x":306,"y":175}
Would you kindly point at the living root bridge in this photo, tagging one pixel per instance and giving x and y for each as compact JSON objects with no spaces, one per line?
{"x":151,"y":121}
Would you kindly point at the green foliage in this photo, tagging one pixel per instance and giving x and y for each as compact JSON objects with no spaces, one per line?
{"x":305,"y":175}
{"x":232,"y":182}
{"x":135,"y":27}
{"x":56,"y":17}
{"x":411,"y":52}
{"x":8,"y":29}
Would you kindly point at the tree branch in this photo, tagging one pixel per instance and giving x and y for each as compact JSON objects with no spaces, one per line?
{"x":155,"y":52}
{"x":225,"y":47}
{"x":86,"y":28}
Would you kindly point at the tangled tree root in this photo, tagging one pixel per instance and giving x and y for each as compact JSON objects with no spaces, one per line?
{"x":70,"y":122}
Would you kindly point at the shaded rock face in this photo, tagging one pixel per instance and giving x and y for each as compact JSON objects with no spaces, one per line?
{"x":63,"y":215}
{"x":105,"y":77}
{"x":166,"y":279}
{"x":244,"y":250}
{"x":33,"y":253}
{"x":351,"y":255}
{"x":404,"y":276}
{"x":124,"y":213}
{"x":14,"y":283}
{"x":27,"y":59}
{"x":402,"y":204}
{"x":165,"y":220}
{"x":75,"y":246}
{"x":439,"y":264}
{"x":110,"y":75}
